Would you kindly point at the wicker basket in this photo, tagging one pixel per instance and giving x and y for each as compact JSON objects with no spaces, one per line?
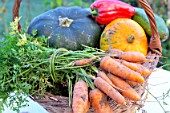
{"x":57,"y":104}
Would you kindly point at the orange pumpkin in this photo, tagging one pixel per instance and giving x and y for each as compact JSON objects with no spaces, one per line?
{"x":124,"y":34}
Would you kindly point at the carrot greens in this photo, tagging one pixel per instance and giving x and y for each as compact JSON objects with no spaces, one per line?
{"x":28,"y":65}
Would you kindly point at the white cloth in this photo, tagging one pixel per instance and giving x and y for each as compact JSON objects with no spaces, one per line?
{"x":159,"y":85}
{"x":32,"y":107}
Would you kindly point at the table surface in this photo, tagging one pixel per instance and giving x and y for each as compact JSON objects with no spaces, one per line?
{"x":159,"y":88}
{"x":158,"y":85}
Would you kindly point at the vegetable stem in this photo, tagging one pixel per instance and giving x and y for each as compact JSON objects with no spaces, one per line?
{"x":94,"y":12}
{"x":30,"y":69}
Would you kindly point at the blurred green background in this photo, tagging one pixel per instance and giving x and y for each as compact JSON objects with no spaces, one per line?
{"x":31,"y":8}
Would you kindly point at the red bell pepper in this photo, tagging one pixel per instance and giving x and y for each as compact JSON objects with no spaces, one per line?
{"x":105,"y":11}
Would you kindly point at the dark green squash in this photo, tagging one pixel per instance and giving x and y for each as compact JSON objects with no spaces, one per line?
{"x":67,"y":27}
{"x":142,"y":19}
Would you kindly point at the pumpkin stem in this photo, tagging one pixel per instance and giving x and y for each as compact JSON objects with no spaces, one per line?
{"x":130,"y":39}
{"x":65,"y":21}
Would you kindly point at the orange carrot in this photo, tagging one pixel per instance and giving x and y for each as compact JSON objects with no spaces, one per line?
{"x":115,"y":67}
{"x":130,"y":65}
{"x":105,"y":77}
{"x":109,"y":90}
{"x":143,"y":70}
{"x":85,"y":61}
{"x":136,"y":67}
{"x":132,"y":83}
{"x":99,"y":101}
{"x":128,"y":91}
{"x":115,"y":51}
{"x":80,"y":102}
{"x":131,"y":56}
{"x":68,"y":110}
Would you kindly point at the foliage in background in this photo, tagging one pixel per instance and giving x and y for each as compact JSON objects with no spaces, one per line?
{"x":57,"y":3}
{"x":3,"y":16}
{"x":131,"y":2}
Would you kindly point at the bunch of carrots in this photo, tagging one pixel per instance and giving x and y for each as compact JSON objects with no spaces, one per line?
{"x":115,"y":79}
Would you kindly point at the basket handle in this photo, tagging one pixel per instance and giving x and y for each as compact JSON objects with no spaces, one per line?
{"x":155,"y":43}
{"x":15,"y":11}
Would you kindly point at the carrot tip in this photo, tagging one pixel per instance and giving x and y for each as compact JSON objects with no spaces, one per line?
{"x":148,"y":60}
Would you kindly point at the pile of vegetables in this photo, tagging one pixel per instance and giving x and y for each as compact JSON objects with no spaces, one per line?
{"x":71,"y":50}
{"x":113,"y":79}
